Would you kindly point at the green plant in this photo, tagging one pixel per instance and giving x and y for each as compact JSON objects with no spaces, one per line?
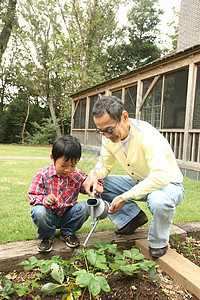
{"x":100,"y":263}
{"x":7,"y":288}
{"x":89,"y":270}
{"x":26,"y":288}
{"x":189,"y":248}
{"x":177,"y":240}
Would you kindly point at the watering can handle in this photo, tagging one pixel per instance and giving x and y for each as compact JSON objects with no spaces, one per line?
{"x":93,"y":196}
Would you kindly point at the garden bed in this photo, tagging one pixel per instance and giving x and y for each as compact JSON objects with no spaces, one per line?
{"x":138,"y":286}
{"x":130,"y":287}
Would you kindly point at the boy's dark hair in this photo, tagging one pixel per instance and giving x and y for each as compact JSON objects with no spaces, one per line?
{"x":67,"y":145}
{"x":110,"y":104}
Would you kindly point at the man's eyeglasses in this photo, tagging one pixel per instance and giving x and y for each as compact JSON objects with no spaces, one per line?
{"x":106,"y":131}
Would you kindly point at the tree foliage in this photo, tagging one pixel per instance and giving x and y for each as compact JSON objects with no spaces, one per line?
{"x":142,"y":32}
{"x":173,"y":25}
{"x":59,"y":47}
{"x":89,"y":26}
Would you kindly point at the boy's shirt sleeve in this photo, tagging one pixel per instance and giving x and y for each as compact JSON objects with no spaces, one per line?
{"x":82,"y":176}
{"x":36,"y":192}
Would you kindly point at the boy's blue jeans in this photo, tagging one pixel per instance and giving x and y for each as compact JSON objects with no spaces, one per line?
{"x":69,"y":223}
{"x":161,"y":204}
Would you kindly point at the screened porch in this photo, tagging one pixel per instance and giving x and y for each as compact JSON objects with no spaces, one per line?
{"x":165,"y":93}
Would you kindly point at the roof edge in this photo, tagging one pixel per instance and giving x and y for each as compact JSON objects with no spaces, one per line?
{"x":173,"y":54}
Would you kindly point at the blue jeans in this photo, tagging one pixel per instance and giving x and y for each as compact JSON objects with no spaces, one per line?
{"x":69,"y":223}
{"x":161,"y":204}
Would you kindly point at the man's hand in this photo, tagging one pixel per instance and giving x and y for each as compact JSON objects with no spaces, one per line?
{"x":50,"y":199}
{"x":116,"y":205}
{"x":92,"y":182}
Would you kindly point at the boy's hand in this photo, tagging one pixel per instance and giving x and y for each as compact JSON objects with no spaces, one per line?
{"x":50,"y":199}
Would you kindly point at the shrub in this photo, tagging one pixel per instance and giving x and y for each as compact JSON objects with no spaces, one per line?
{"x":44,"y":134}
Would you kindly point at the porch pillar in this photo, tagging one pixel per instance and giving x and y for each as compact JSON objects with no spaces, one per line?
{"x":87,"y":119}
{"x":138,"y":98}
{"x":189,"y":111}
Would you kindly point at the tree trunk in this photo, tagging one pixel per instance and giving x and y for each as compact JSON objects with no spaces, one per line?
{"x":50,"y":103}
{"x":1,"y":111}
{"x":26,"y":119}
{"x":53,"y":114}
{"x":7,"y":28}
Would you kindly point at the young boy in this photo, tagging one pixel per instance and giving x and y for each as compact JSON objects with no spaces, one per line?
{"x":54,"y":192}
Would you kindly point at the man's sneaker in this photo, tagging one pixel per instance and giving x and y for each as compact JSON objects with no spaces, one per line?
{"x":45,"y":244}
{"x":70,"y":240}
{"x":136,"y":222}
{"x":158,"y":252}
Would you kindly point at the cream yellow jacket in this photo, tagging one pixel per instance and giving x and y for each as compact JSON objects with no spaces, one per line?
{"x":150,"y":160}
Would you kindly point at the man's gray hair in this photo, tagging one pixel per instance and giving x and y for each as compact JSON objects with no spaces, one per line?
{"x":110,"y":104}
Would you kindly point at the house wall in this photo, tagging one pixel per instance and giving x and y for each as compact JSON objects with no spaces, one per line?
{"x":189,"y":24}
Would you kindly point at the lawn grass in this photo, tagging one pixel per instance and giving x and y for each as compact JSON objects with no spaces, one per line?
{"x":18,"y":150}
{"x":31,"y":151}
{"x":17,"y":174}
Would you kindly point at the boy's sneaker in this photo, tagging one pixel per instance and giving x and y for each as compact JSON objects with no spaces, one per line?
{"x":70,"y":240}
{"x":45,"y":244}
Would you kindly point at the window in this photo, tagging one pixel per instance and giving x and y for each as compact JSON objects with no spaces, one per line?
{"x":130,"y":100}
{"x":174,"y":101}
{"x":79,"y":119}
{"x":93,"y":99}
{"x":146,"y":85}
{"x":117,"y":94}
{"x":152,"y":106}
{"x":196,"y":117}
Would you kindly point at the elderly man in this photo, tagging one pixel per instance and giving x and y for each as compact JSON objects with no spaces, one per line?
{"x":153,"y":173}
